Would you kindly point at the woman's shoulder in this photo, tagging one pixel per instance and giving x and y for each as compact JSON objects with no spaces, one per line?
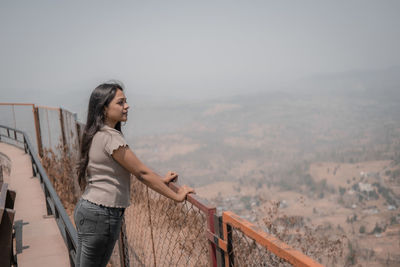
{"x":105,"y":134}
{"x":109,"y":138}
{"x":109,"y":130}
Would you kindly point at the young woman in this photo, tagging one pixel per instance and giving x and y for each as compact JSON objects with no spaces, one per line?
{"x":104,"y":172}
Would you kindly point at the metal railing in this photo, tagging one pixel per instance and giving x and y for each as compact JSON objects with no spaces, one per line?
{"x":247,"y":245}
{"x":161,"y":232}
{"x":53,"y":203}
{"x":156,"y":231}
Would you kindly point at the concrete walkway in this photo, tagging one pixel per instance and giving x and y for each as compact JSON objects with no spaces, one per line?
{"x":42,"y":242}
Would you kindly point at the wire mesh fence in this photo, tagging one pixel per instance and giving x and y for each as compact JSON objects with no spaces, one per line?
{"x":161,"y":232}
{"x":248,"y":245}
{"x":115,"y":259}
{"x":248,"y":252}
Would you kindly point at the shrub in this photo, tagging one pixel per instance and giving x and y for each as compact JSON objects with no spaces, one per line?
{"x":351,"y":258}
{"x":356,"y":187}
{"x":395,"y":174}
{"x":377,"y":229}
{"x":59,"y":168}
{"x":342,"y":190}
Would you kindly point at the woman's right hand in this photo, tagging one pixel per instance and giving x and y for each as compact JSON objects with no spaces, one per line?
{"x":183,"y":191}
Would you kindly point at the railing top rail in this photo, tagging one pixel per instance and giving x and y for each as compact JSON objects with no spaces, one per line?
{"x":16,"y":104}
{"x":46,"y":107}
{"x":200,"y":203}
{"x":270,"y":242}
{"x":12,"y":129}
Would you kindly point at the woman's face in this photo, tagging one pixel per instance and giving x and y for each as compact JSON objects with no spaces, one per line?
{"x":117,"y":110}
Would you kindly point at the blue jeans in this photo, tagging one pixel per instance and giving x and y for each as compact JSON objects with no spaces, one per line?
{"x":98,"y":230}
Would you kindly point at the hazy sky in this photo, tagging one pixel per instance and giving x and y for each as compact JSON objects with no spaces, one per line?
{"x":192,"y":49}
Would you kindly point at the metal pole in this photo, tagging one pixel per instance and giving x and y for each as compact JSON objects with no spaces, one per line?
{"x":1,"y":174}
{"x":62,"y":128}
{"x":15,"y":123}
{"x":35,"y":111}
{"x":48,"y":127}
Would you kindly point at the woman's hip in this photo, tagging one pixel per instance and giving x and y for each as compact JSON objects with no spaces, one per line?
{"x":91,"y":218}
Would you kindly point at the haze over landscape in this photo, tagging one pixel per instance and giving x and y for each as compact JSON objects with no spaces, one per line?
{"x":252,"y":103}
{"x":56,"y":53}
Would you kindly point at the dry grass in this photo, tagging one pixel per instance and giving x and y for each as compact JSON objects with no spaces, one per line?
{"x":164,"y":232}
{"x":322,"y":242}
{"x":60,"y":168}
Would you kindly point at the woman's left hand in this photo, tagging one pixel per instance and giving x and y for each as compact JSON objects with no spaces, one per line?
{"x":170,"y":177}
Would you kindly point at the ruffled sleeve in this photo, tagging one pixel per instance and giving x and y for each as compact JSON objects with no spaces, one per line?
{"x":114,"y":141}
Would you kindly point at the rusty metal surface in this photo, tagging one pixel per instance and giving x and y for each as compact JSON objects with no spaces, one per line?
{"x":247,"y":239}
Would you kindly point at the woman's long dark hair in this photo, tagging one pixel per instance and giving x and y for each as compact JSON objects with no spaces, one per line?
{"x":99,"y":99}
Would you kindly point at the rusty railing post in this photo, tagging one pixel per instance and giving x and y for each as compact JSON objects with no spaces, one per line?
{"x":64,"y":141}
{"x":220,"y":234}
{"x":1,"y":174}
{"x":123,"y":246}
{"x":210,"y":225}
{"x":37,"y":128}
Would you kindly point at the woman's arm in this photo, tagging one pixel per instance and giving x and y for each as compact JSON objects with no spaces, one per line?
{"x":126,"y":157}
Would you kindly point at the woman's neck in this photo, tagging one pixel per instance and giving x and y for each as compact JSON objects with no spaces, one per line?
{"x":110,"y":124}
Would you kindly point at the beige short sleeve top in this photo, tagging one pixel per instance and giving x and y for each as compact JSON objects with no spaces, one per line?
{"x":108,"y":183}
